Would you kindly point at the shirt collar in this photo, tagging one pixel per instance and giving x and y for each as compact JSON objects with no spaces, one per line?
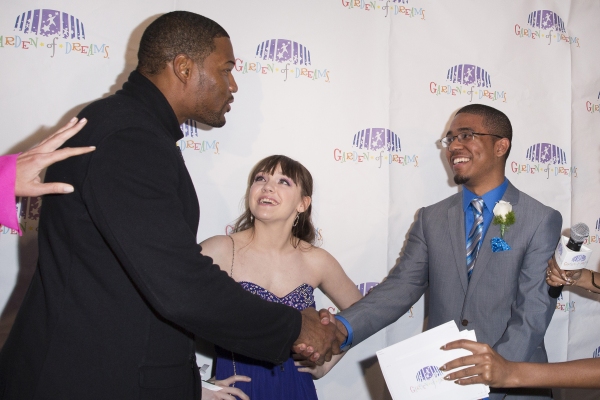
{"x":143,"y":90}
{"x":490,"y":198}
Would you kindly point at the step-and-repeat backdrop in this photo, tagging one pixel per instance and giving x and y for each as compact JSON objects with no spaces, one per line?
{"x":359,"y":91}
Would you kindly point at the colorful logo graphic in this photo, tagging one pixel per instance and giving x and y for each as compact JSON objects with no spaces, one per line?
{"x":469,"y":74}
{"x":564,"y":307}
{"x":50,"y":22}
{"x":53,"y":30}
{"x":579,"y":258}
{"x":190,"y":132}
{"x":469,"y":80}
{"x":593,"y":238}
{"x":387,"y":7}
{"x":376,"y":146}
{"x":428,"y":373}
{"x":546,"y":153}
{"x":29,"y":213}
{"x":283,"y":50}
{"x":592,"y":107}
{"x":427,"y":377}
{"x":28,"y":210}
{"x":546,"y":19}
{"x":189,"y":128}
{"x":545,"y":159}
{"x":377,"y":139}
{"x":560,"y":248}
{"x":545,"y":24}
{"x":365,"y":287}
{"x":318,"y":236}
{"x":285,"y":57}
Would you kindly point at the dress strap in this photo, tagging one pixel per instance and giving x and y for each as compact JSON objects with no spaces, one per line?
{"x":231,"y":275}
{"x":232,"y":255}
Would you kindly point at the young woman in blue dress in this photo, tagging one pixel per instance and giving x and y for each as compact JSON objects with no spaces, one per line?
{"x":271,"y":253}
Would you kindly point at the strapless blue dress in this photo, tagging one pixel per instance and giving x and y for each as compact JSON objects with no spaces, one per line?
{"x":269,"y":381}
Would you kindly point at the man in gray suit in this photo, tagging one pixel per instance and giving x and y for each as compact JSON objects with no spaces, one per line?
{"x":503,"y":296}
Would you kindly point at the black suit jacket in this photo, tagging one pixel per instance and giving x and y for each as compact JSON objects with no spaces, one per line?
{"x":121,"y":287}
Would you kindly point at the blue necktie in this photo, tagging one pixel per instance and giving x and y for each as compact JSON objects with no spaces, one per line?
{"x":475,"y":236}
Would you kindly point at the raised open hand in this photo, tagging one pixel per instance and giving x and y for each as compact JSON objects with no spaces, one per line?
{"x":31,"y":163}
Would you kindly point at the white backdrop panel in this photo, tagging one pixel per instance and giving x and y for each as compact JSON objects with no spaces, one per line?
{"x":363,"y":114}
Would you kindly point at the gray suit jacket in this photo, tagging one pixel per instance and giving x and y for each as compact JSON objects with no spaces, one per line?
{"x":506,"y":301}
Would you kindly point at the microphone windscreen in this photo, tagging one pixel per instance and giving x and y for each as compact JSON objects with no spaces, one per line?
{"x":579,"y":232}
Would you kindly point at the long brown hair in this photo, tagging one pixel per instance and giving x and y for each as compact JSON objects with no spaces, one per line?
{"x":304,"y":229}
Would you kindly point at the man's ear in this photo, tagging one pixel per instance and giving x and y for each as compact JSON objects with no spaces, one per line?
{"x":182,"y":67}
{"x":501,"y":147}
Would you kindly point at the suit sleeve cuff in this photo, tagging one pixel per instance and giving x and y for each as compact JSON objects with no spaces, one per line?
{"x":348,"y":342}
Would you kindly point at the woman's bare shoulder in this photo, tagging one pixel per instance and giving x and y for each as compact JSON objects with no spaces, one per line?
{"x":316,"y":255}
{"x":216,"y":246}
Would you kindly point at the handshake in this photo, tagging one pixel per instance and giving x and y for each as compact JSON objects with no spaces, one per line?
{"x":321,"y":336}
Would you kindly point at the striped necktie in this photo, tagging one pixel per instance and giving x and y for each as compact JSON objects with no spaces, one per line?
{"x":475,"y":236}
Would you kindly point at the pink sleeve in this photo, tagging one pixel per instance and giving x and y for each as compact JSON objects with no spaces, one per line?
{"x":8,"y":211}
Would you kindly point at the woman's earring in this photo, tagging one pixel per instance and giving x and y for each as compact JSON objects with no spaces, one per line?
{"x":296,"y":220}
{"x":251,"y":218}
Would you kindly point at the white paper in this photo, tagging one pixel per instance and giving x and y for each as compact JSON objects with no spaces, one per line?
{"x":411,"y":367}
{"x":210,"y":386}
{"x":206,"y":385}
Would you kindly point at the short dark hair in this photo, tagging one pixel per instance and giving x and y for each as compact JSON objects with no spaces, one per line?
{"x":177,"y":32}
{"x":304,"y":229}
{"x":494,"y":120}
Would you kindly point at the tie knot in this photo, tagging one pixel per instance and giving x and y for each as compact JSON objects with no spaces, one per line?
{"x":477,"y":204}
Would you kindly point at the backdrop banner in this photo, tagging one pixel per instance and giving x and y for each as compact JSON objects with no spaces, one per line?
{"x":360,"y":92}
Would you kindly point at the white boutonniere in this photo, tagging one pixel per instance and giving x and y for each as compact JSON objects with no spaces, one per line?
{"x":503,"y":216}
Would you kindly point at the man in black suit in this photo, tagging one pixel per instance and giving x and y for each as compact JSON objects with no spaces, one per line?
{"x":121,"y":288}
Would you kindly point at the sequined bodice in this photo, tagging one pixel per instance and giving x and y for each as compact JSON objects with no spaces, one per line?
{"x":299,"y":298}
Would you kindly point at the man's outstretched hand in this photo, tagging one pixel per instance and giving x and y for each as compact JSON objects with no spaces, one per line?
{"x":319,"y":339}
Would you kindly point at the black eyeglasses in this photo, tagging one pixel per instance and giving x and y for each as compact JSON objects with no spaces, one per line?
{"x":466,"y":136}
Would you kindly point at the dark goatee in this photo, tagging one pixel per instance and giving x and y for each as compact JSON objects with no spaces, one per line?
{"x":460,"y":179}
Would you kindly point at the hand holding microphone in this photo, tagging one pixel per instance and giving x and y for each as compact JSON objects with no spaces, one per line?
{"x":565,"y":257}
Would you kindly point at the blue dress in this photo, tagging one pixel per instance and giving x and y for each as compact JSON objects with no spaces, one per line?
{"x":269,"y":381}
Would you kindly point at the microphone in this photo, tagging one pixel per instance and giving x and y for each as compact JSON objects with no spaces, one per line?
{"x":578,"y":234}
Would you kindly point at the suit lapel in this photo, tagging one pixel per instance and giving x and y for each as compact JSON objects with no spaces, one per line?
{"x":456,"y":226}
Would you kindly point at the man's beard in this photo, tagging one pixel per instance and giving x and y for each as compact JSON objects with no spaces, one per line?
{"x":211,"y":118}
{"x":461,"y":179}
